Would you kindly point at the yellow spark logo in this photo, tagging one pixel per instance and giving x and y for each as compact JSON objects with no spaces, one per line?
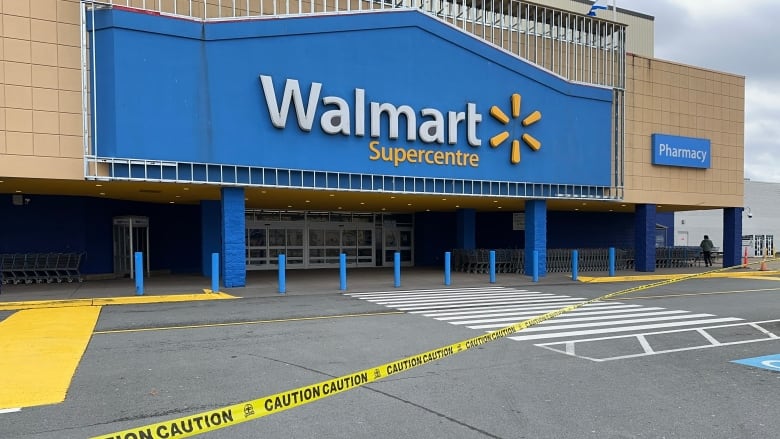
{"x":529,"y":140}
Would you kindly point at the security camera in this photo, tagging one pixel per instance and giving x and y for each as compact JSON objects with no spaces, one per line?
{"x":750,"y":214}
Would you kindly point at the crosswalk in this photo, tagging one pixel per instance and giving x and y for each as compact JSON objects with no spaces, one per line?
{"x":492,"y":308}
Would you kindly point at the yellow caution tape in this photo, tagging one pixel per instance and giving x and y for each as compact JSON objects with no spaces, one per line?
{"x":192,"y":425}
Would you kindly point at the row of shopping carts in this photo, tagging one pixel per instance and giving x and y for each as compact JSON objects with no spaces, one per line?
{"x":28,"y":268}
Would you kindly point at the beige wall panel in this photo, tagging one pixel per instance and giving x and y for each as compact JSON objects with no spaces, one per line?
{"x":684,"y":101}
{"x":47,"y":122}
{"x":46,"y":145}
{"x":68,"y":11}
{"x":40,"y":88}
{"x":18,"y":120}
{"x":16,"y":143}
{"x":69,"y":101}
{"x":17,"y":96}
{"x":43,"y":76}
{"x":45,"y":99}
{"x":2,"y":142}
{"x":43,"y":53}
{"x":70,"y":124}
{"x":69,"y":79}
{"x":17,"y":73}
{"x":16,"y":27}
{"x":44,"y":9}
{"x":43,"y":31}
{"x":71,"y":147}
{"x":27,"y":166}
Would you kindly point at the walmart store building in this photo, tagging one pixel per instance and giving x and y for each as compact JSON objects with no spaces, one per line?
{"x":253,"y":128}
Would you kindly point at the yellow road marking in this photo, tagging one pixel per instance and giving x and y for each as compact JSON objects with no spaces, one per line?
{"x":656,"y":277}
{"x":255,"y":322}
{"x":761,"y":277}
{"x":709,"y":293}
{"x":129,"y":300}
{"x":41,"y":349}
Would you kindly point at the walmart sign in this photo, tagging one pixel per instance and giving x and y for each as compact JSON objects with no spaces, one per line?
{"x":687,"y":152}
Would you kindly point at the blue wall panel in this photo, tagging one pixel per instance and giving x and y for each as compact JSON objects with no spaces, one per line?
{"x":191,"y":92}
{"x":85,"y":225}
{"x":434,"y":234}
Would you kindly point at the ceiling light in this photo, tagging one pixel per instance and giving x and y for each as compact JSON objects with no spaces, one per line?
{"x":171,"y":202}
{"x":308,"y":201}
{"x":384,"y":208}
{"x":98,"y":185}
{"x":362,"y":203}
{"x":622,"y":205}
{"x":495,"y":201}
{"x":262,"y":192}
{"x":427,"y":210}
{"x":18,"y":192}
{"x":500,"y":207}
{"x":179,"y":196}
{"x":392,"y":197}
{"x":584,"y":204}
{"x":186,"y":188}
{"x":339,"y":207}
{"x":102,"y":193}
{"x":457,"y":205}
{"x":444,"y":199}
{"x":332,"y":195}
{"x":408,"y":204}
{"x":289,"y":205}
{"x":576,"y":209}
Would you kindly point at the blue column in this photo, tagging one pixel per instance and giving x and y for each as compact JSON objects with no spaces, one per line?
{"x":536,"y":235}
{"x":644,"y":237}
{"x":214,"y":272}
{"x":732,"y":236}
{"x":466,"y":229}
{"x":343,"y":271}
{"x":397,"y":269}
{"x":233,"y":237}
{"x":575,"y":263}
{"x":447,"y":268}
{"x":612,"y":261}
{"x":139,"y":273}
{"x":492,"y":260}
{"x":210,"y":233}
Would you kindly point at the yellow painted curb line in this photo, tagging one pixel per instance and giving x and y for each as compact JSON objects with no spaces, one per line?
{"x":129,"y":300}
{"x":654,"y":277}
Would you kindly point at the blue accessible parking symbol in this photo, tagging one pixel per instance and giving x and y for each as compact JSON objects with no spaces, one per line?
{"x":771,"y":362}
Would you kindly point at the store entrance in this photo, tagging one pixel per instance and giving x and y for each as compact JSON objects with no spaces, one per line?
{"x":317,"y":239}
{"x":131,"y":234}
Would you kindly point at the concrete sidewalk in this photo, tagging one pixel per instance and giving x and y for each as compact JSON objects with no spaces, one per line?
{"x":326,"y":281}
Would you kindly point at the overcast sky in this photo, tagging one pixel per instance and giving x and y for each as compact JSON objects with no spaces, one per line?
{"x":734,"y":36}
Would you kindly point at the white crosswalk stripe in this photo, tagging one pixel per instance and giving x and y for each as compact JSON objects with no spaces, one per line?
{"x":491,"y":308}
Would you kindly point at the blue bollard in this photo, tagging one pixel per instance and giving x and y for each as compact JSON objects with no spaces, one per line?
{"x":214,"y":272}
{"x":397,"y":269}
{"x":492,"y":266}
{"x":139,"y":274}
{"x":612,"y":261}
{"x":536,"y":266}
{"x":575,"y":263}
{"x":447,"y":259}
{"x":282,"y":280}
{"x":343,"y":271}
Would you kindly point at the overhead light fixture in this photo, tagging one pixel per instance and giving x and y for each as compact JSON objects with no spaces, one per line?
{"x":98,"y":185}
{"x":186,"y":188}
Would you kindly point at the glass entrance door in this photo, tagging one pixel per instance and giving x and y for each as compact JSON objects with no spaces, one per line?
{"x":398,"y":239}
{"x":130,"y":235}
{"x":328,"y":241}
{"x":266,"y":242}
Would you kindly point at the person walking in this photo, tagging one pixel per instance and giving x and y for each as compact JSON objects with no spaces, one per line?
{"x":706,"y":250}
